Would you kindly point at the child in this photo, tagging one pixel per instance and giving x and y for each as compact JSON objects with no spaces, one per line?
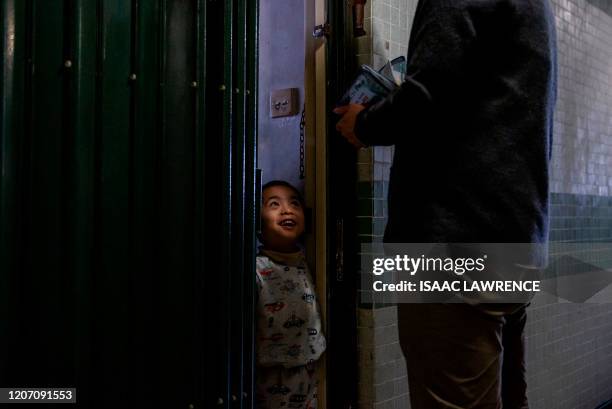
{"x":289,"y":337}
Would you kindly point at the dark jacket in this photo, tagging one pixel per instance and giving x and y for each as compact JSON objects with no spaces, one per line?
{"x":471,"y":125}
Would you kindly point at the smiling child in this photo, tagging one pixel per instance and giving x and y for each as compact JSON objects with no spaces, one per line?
{"x":289,"y":337}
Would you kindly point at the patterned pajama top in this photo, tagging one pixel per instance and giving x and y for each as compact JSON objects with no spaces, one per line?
{"x":288,"y":321}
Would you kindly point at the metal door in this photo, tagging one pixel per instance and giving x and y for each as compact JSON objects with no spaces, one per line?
{"x":127,"y":199}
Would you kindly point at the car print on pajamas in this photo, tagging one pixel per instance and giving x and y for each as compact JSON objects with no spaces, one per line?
{"x":288,"y":286}
{"x":267,"y":272}
{"x":294,"y":321}
{"x":297,"y":398}
{"x":273,"y":338}
{"x":294,"y":350}
{"x":274,"y":307}
{"x":278,"y":390}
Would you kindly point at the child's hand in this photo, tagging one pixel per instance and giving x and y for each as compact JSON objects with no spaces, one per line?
{"x":346,"y":124}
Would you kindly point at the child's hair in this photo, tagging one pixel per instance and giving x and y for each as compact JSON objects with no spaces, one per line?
{"x":283,"y":183}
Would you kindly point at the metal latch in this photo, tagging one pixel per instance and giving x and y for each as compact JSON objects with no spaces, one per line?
{"x":322,"y":30}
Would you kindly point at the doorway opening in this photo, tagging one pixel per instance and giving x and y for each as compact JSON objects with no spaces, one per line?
{"x":302,"y":69}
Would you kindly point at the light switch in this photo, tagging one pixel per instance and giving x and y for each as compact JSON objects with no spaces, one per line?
{"x":284,"y":102}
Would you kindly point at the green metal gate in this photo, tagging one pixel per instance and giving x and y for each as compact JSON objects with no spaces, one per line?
{"x":128,"y":200}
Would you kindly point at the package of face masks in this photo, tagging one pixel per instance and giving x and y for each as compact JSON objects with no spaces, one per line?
{"x":371,"y":86}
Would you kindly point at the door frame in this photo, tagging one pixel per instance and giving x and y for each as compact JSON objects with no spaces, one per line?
{"x":315,"y":73}
{"x":333,"y":247}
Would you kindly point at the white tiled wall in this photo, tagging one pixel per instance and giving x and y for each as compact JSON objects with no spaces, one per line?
{"x":383,"y":381}
{"x":391,"y":21}
{"x":569,"y":346}
{"x":569,"y":356}
{"x":582,"y":148}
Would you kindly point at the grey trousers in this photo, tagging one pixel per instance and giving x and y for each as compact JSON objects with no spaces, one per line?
{"x":464,"y":357}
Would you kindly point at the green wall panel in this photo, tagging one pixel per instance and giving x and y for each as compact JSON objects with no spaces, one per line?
{"x":145,"y":193}
{"x":12,"y":89}
{"x":127,"y":200}
{"x":81,"y":177}
{"x":113,"y":229}
{"x":44,"y":281}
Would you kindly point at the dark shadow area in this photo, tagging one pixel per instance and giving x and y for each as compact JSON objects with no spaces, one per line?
{"x":603,"y":5}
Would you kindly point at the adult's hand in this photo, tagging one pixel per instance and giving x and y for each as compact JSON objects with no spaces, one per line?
{"x":346,"y":124}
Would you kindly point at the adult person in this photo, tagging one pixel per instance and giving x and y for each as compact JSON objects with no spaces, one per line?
{"x":472,"y":130}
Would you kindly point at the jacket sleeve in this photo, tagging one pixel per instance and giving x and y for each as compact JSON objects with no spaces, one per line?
{"x":443,"y":36}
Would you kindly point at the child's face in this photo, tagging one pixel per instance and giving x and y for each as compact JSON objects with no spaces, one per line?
{"x":282,"y":219}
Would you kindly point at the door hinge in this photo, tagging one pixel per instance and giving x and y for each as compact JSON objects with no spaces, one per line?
{"x":322,"y":30}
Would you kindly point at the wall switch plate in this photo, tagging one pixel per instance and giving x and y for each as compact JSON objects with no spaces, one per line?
{"x":284,"y":102}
